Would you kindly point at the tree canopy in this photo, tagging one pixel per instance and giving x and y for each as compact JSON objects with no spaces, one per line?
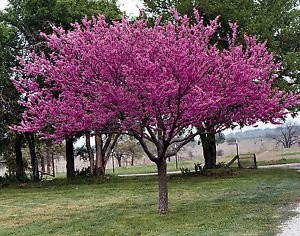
{"x":31,"y":17}
{"x":153,"y":83}
{"x":20,"y":25}
{"x":278,"y":22}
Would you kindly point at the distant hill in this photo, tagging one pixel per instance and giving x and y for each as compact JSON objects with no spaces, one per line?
{"x":257,"y":133}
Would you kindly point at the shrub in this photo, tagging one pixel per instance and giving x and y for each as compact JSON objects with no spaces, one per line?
{"x":185,"y":171}
{"x":221,"y":164}
{"x":85,"y":171}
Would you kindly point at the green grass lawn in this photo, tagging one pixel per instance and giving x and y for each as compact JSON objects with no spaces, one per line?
{"x":150,"y":168}
{"x":280,"y":161}
{"x":251,"y":202}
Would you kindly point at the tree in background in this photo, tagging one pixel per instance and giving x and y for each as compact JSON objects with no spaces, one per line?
{"x":275,"y":21}
{"x":104,"y":145}
{"x":155,"y":83}
{"x":220,"y":138}
{"x":289,"y":135}
{"x":20,"y":26}
{"x":127,"y":148}
{"x":231,"y":141}
{"x":10,"y":142}
{"x":31,"y":17}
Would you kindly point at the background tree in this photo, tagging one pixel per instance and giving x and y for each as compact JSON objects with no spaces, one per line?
{"x":20,"y":26}
{"x":220,"y":138}
{"x":90,"y":151}
{"x":128,"y":148}
{"x":278,"y":22}
{"x":231,"y":141}
{"x":209,"y":142}
{"x":105,"y":143}
{"x":10,"y":142}
{"x":289,"y":135}
{"x":155,"y":83}
{"x":47,"y":152}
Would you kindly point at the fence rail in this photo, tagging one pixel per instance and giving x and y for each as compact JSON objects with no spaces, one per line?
{"x":244,"y":161}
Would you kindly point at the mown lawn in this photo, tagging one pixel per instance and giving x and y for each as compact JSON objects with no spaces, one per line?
{"x":251,"y":202}
{"x":151,"y":168}
{"x":280,"y":161}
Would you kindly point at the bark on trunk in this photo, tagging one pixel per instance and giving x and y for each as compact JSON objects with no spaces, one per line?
{"x":100,"y":168}
{"x":119,"y":159}
{"x":162,"y":187}
{"x":70,"y":157}
{"x":90,"y":152}
{"x":48,"y":160}
{"x":42,"y":163}
{"x":132,"y":160}
{"x":209,"y":150}
{"x":34,"y":160}
{"x":20,"y":174}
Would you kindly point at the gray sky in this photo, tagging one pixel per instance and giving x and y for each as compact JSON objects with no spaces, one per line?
{"x":131,"y":7}
{"x":3,"y":3}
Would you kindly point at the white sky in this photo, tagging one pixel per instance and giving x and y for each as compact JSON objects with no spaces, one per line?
{"x":130,"y":7}
{"x":3,"y":3}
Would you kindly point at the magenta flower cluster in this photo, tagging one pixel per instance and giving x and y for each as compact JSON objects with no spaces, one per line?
{"x":153,"y":81}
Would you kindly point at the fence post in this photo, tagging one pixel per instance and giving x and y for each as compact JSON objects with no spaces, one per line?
{"x":255,"y":164}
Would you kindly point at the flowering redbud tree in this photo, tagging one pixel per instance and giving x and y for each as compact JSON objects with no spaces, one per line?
{"x":242,"y":76}
{"x":155,"y":84}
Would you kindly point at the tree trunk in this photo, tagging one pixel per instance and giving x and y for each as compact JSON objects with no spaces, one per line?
{"x":162,"y":187}
{"x":20,"y":174}
{"x":100,"y":168}
{"x":90,"y":152}
{"x":48,"y":161}
{"x":34,"y":160}
{"x":70,"y":157}
{"x":42,"y":162}
{"x":132,"y":160}
{"x":119,"y":159}
{"x":209,"y":150}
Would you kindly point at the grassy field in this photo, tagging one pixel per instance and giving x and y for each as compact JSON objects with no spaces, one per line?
{"x":280,"y":161}
{"x":251,"y":202}
{"x":151,"y":168}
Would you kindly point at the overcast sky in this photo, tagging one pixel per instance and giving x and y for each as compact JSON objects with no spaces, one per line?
{"x":130,"y":6}
{"x":3,"y":3}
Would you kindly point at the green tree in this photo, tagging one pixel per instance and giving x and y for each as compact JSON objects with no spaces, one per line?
{"x":10,"y":142}
{"x":31,"y":17}
{"x":278,"y":22}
